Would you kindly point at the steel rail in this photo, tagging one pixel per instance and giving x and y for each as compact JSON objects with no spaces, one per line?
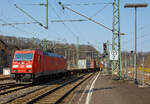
{"x":2,"y":84}
{"x":38,"y":98}
{"x":7,"y":85}
{"x":68,"y":92}
{"x":26,"y":94}
{"x":10,"y":91}
{"x":12,"y":99}
{"x":7,"y":78}
{"x":51,"y":91}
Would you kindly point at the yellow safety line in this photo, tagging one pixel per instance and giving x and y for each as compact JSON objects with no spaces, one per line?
{"x":145,"y":69}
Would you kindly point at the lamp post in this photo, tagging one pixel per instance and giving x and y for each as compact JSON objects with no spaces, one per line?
{"x":135,"y":6}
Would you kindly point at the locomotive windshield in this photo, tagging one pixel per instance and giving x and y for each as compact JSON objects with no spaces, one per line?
{"x":23,"y":57}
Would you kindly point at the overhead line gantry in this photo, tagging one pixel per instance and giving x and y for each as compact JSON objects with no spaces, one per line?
{"x":30,"y":16}
{"x":116,"y":40}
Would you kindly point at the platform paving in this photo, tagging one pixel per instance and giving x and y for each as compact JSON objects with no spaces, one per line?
{"x":102,"y":89}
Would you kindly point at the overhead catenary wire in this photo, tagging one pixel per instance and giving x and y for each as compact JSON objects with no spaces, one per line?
{"x":24,"y":24}
{"x":142,"y":42}
{"x":99,"y":10}
{"x":16,"y":27}
{"x":41,"y":4}
{"x":25,"y":27}
{"x":4,"y":33}
{"x":139,"y":37}
{"x":79,"y":20}
{"x":76,"y":28}
{"x":62,"y":22}
{"x":87,"y":4}
{"x":28,"y":15}
{"x":19,"y":23}
{"x":90,"y":19}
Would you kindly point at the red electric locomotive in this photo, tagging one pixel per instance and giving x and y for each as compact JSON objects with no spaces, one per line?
{"x":34,"y":64}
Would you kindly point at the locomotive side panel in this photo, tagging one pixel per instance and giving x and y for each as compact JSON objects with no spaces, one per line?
{"x":51,"y":64}
{"x":38,"y":61}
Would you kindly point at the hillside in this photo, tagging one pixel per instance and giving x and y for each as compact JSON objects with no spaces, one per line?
{"x":9,"y":44}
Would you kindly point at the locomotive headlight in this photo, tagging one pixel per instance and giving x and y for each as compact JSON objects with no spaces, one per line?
{"x":28,"y":66}
{"x":15,"y":66}
{"x":15,"y":70}
{"x":28,"y":70}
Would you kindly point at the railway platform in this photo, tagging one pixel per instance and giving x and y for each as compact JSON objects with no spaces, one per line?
{"x":101,"y":89}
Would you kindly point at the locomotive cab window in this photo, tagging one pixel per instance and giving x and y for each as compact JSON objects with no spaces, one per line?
{"x":18,"y":57}
{"x":23,"y":57}
{"x":28,"y":56}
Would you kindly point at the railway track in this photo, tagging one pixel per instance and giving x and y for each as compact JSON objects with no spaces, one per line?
{"x":3,"y":84}
{"x":59,"y":90}
{"x":12,"y":94}
{"x":7,"y":85}
{"x":5,"y":78}
{"x":14,"y":88}
{"x":16,"y":93}
{"x":57,"y":94}
{"x":28,"y":93}
{"x":4,"y":81}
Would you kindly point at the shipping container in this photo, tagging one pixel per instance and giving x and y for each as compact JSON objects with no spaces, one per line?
{"x":92,"y":64}
{"x":83,"y":64}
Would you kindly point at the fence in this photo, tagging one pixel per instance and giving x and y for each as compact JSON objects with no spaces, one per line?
{"x":143,"y":74}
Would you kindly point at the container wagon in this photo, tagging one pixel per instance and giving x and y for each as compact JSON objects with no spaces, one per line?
{"x":83,"y":64}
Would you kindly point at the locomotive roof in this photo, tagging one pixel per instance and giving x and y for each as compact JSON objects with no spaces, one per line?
{"x":52,"y":54}
{"x":44,"y":53}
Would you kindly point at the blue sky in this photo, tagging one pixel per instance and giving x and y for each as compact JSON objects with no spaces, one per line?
{"x":87,"y":31}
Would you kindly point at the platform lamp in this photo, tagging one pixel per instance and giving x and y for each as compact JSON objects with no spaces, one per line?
{"x":135,"y":6}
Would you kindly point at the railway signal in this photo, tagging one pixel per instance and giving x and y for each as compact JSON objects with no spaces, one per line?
{"x":104,"y":47}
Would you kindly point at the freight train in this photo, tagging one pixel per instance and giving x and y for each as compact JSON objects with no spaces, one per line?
{"x":35,"y":65}
{"x":31,"y":65}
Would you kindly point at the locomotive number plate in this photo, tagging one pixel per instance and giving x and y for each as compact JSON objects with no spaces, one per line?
{"x":22,"y":66}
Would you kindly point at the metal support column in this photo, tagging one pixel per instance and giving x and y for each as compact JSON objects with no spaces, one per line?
{"x":77,"y":58}
{"x":46,"y":27}
{"x":135,"y":56}
{"x":116,"y":40}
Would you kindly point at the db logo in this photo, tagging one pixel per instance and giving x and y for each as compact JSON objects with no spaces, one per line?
{"x":22,"y":66}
